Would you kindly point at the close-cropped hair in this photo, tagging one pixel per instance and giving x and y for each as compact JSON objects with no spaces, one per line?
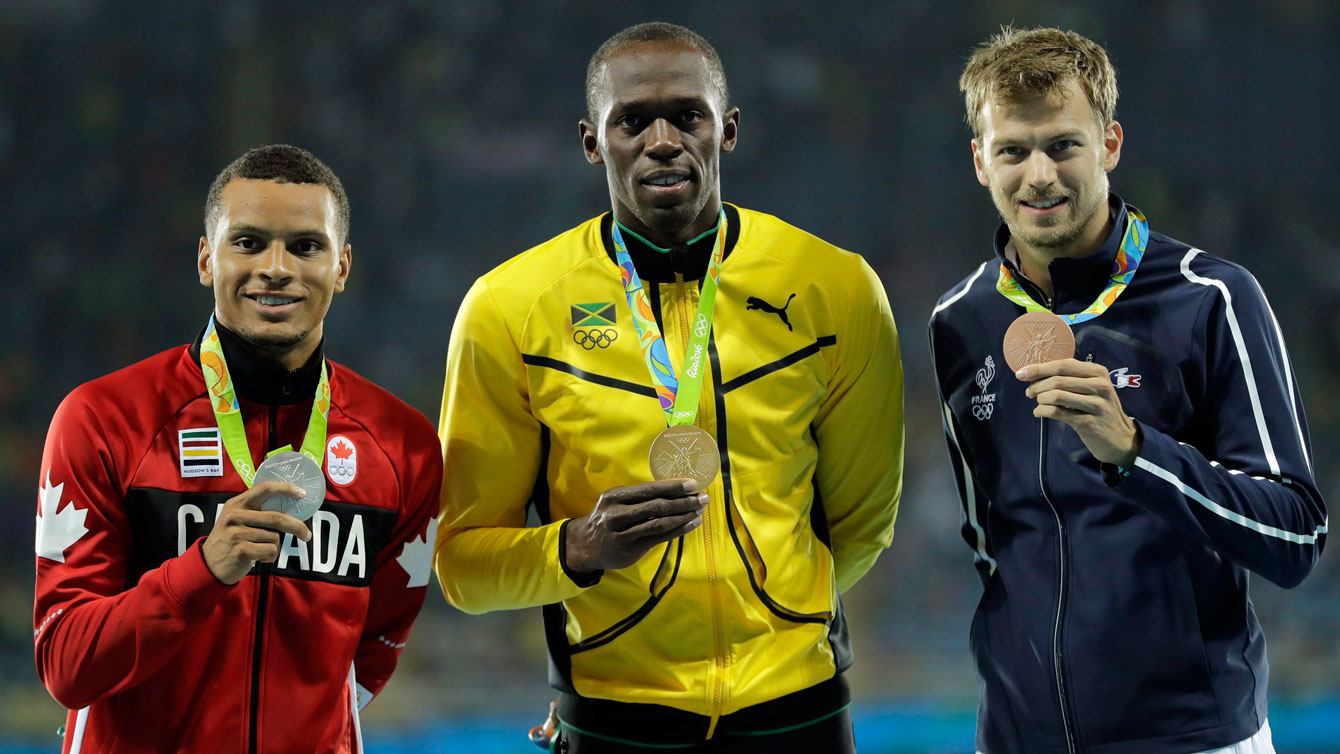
{"x":1020,"y":64}
{"x":281,"y":163}
{"x":654,"y":31}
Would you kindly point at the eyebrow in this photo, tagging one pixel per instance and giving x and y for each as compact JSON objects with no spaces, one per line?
{"x":258,"y":231}
{"x":1073,"y":135}
{"x":639,"y":104}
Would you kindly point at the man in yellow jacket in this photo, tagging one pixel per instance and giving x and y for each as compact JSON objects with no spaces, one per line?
{"x":704,"y":405}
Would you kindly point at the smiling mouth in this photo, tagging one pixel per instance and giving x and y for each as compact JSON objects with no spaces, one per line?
{"x":1044,"y":203}
{"x":267,"y":299}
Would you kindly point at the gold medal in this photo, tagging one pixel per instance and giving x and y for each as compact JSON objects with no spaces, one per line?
{"x":685,"y":452}
{"x":1037,"y":337}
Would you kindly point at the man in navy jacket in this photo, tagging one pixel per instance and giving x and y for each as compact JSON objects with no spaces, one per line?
{"x":1115,"y":500}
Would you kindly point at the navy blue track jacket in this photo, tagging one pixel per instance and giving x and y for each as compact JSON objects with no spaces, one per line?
{"x":1115,"y":616}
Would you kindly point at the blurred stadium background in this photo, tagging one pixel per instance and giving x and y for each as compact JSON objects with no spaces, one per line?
{"x":453,"y":126}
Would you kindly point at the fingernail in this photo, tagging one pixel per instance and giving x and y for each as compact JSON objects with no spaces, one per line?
{"x":702,"y":498}
{"x":307,"y":536}
{"x":690,"y":485}
{"x":1022,"y":374}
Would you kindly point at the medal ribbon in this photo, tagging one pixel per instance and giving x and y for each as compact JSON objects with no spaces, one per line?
{"x":679,"y":400}
{"x":223,"y":399}
{"x":1132,"y":250}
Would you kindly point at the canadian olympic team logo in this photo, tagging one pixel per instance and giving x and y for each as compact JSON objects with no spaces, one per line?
{"x":341,"y":460}
{"x":589,"y":338}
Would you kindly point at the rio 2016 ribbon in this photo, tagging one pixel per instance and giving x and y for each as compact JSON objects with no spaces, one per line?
{"x":679,"y":399}
{"x":223,"y":398}
{"x":1132,"y":250}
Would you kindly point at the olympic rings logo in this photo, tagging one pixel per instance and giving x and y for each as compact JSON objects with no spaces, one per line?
{"x":701,"y":326}
{"x":589,"y":339}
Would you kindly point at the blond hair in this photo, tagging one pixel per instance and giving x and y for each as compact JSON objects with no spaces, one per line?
{"x":1020,"y":64}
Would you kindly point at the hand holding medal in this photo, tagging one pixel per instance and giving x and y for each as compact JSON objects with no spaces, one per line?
{"x":287,"y":488}
{"x":1040,"y":348}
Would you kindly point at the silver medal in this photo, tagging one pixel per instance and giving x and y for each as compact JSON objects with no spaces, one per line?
{"x":294,"y":468}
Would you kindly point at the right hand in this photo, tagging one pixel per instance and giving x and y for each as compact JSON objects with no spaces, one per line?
{"x":244,"y":534}
{"x":629,"y":521}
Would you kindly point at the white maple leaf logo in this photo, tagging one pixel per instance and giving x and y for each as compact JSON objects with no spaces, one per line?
{"x":417,"y":559}
{"x":57,"y":530}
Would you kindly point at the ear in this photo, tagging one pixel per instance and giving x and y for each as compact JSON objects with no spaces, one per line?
{"x":1112,"y":138}
{"x":730,"y":129}
{"x":590,"y":134}
{"x":203,"y":263}
{"x":346,"y":263}
{"x":979,"y":163}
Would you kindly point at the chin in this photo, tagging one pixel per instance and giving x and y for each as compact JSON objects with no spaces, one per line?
{"x":272,"y":340}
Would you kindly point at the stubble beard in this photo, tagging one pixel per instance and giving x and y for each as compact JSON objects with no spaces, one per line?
{"x":273,"y":345}
{"x":1060,"y":232}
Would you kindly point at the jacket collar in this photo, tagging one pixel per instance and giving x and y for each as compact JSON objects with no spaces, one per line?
{"x":262,"y":380}
{"x":658,"y":265}
{"x":1076,"y":281}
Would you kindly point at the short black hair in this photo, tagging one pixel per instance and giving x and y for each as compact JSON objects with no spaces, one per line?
{"x":655,"y":31}
{"x":282,"y":163}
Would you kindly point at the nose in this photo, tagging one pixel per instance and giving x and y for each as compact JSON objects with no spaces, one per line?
{"x":663,"y":140}
{"x":273,"y":263}
{"x":1041,"y":169}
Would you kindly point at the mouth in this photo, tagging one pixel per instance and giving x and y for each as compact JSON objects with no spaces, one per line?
{"x":274,"y":303}
{"x":1044,"y":207}
{"x":668,"y":181}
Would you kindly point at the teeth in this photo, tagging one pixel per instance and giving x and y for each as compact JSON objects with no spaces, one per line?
{"x":668,"y":180}
{"x":1044,"y":205}
{"x":274,"y":300}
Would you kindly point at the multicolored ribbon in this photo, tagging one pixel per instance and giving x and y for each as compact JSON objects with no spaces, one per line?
{"x":679,"y":400}
{"x":1132,"y":250}
{"x":223,"y":399}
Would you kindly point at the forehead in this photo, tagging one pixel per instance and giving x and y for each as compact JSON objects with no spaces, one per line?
{"x":649,"y":71}
{"x":278,"y":206}
{"x":1064,"y":109}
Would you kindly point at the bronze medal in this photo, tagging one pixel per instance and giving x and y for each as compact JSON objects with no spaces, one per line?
{"x":685,"y":452}
{"x":1037,"y":337}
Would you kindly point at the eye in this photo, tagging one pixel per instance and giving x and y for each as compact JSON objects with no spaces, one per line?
{"x":1012,"y":151}
{"x":691,"y":116}
{"x":1064,"y":144}
{"x":248,"y":243}
{"x":305,"y":246}
{"x":629,"y":121}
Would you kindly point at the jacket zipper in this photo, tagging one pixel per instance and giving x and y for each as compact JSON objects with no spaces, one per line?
{"x":709,"y":538}
{"x":262,"y":602}
{"x":1057,"y":659}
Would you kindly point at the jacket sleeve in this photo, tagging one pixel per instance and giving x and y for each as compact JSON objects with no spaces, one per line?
{"x":486,"y":557}
{"x":1247,"y":490}
{"x":859,"y":428}
{"x":94,"y":637}
{"x":973,"y":500}
{"x":400,"y":581}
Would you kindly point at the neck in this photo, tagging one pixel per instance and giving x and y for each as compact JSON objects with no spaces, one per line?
{"x":670,"y":235}
{"x":1035,"y":261}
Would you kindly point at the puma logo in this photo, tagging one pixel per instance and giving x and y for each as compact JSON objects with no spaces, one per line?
{"x":755,"y":302}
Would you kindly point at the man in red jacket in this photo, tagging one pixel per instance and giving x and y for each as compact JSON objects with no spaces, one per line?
{"x":178,"y":607}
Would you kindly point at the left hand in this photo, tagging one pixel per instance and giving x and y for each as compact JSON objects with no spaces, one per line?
{"x":1080,"y":394}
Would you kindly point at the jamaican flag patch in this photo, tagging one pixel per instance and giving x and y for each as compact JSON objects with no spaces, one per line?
{"x":593,"y":315}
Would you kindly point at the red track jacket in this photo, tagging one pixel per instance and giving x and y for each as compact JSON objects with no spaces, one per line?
{"x":133,"y":633}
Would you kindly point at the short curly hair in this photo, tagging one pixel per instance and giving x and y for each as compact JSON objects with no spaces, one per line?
{"x":282,"y":163}
{"x":654,"y":31}
{"x":1020,"y":64}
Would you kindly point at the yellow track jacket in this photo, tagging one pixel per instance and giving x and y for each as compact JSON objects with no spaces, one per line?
{"x":548,"y":402}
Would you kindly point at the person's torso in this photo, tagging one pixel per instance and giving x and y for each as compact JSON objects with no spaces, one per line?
{"x":1100,"y":623}
{"x":744,"y":609}
{"x":270,"y":669}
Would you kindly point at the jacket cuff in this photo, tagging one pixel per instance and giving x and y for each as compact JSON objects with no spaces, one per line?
{"x":190,"y":582}
{"x":582,"y":580}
